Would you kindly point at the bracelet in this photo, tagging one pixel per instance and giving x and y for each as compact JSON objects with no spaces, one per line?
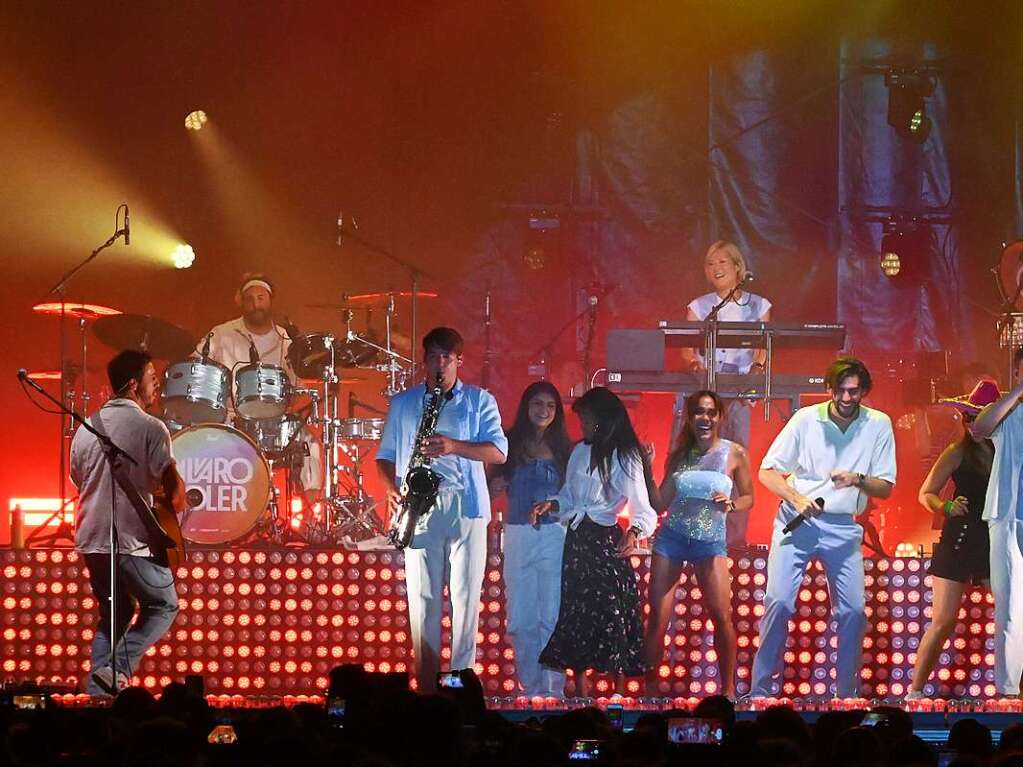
{"x":860,"y":479}
{"x":947,"y":507}
{"x":636,"y":531}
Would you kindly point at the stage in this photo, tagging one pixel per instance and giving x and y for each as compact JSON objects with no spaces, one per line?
{"x":273,"y":622}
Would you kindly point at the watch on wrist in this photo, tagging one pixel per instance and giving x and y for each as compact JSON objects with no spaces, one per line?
{"x":860,"y":479}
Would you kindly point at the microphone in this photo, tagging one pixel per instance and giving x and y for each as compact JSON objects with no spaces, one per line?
{"x":340,"y":226}
{"x":22,"y":374}
{"x":290,"y":328}
{"x":486,"y":308}
{"x":206,"y":348}
{"x":800,"y":519}
{"x":253,"y":353}
{"x":127,"y":226}
{"x":748,"y":277}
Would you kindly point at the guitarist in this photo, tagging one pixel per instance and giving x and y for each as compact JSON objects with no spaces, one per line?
{"x":143,"y":573}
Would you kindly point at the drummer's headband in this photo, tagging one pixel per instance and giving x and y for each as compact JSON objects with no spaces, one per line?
{"x":255,"y":282}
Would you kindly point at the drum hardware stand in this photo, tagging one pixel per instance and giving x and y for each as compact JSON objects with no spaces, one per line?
{"x":393,"y":366}
{"x":414,"y":273}
{"x":64,"y":529}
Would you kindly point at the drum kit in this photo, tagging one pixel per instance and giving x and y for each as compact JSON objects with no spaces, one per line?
{"x":250,"y":441}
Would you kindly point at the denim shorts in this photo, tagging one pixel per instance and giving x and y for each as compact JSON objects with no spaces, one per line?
{"x":681,"y":548}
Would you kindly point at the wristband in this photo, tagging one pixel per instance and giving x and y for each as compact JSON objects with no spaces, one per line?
{"x":947,"y":507}
{"x":860,"y":479}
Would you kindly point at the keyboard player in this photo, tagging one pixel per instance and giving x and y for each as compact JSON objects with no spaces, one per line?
{"x":725,"y":270}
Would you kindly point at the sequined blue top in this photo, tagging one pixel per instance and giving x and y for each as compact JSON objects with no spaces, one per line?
{"x":692,"y":513}
{"x":531,"y":483}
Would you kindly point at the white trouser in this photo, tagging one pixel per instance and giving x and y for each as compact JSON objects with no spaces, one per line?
{"x":1007,"y":588}
{"x":446,"y":547}
{"x":835,"y":540}
{"x":532,"y":587}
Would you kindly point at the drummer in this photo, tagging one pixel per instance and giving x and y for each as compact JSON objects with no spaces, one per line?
{"x":255,"y":335}
{"x":231,"y":342}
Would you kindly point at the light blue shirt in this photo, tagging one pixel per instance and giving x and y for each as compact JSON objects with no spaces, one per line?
{"x":471,"y":415}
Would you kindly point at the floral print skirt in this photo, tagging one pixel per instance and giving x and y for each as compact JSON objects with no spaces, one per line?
{"x":600,"y":625}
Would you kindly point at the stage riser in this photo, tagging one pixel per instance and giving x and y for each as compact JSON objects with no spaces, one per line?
{"x":275,"y":622}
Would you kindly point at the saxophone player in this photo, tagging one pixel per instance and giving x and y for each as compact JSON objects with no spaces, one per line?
{"x":452,"y":537}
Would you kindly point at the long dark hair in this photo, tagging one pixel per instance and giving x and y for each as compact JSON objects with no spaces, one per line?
{"x":614,"y":432}
{"x":687,"y":437}
{"x":555,"y":435}
{"x":974,"y":454}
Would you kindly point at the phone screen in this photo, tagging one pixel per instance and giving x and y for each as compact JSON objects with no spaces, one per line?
{"x":30,"y":702}
{"x":336,"y":710}
{"x":691,"y":729}
{"x":616,"y":713}
{"x":222,"y":734}
{"x":585,"y":750}
{"x":450,"y":680}
{"x":873,"y":718}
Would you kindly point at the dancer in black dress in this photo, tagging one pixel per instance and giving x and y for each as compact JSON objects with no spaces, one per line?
{"x":600,"y":623}
{"x":960,"y":556}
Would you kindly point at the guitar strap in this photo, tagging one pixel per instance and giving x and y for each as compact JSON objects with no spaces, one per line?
{"x":145,"y":511}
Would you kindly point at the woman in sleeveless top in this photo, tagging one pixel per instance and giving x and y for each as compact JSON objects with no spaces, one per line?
{"x":960,"y":557}
{"x":705,"y":478}
{"x":538,"y":450}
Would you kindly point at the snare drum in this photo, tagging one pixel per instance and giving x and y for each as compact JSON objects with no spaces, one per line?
{"x":226,"y":480}
{"x":361,"y":428}
{"x":272,"y":435}
{"x":261,"y":391}
{"x":195,"y":391}
{"x":311,"y":355}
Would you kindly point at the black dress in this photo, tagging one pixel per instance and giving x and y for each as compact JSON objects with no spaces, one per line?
{"x":600,"y":624}
{"x":961,"y":553}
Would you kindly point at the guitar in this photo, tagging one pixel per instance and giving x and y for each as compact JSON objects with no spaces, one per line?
{"x":163,"y":527}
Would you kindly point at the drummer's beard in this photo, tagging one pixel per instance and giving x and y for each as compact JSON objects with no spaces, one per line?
{"x":257,"y":317}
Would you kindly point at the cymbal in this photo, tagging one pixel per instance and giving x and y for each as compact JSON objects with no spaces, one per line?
{"x":141,"y":331}
{"x":383,"y":295}
{"x":72,"y":370}
{"x":368,"y":298}
{"x":81,"y":311}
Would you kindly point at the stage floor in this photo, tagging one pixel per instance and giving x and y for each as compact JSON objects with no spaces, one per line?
{"x":274,"y":622}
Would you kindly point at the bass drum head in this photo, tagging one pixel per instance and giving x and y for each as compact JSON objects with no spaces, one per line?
{"x":227,"y":482}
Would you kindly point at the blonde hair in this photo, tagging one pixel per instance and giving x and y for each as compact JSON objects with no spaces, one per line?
{"x":733,"y":252}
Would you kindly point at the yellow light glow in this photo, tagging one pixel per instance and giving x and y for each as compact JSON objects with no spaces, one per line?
{"x":890,"y":264}
{"x":183,"y":256}
{"x":195,"y":120}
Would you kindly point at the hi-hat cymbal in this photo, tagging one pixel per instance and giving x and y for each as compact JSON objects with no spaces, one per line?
{"x":80,"y":311}
{"x":160,"y":338}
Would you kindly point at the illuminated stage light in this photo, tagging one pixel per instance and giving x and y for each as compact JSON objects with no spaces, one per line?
{"x":183,"y":256}
{"x":195,"y":120}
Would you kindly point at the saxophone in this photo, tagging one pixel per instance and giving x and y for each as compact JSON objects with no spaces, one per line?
{"x":419,"y":487}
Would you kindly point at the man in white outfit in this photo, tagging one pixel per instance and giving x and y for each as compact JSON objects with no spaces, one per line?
{"x":1002,"y":423}
{"x":823,"y":465}
{"x":450,"y":542}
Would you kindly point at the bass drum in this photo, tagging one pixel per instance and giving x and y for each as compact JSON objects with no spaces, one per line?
{"x":226,"y":480}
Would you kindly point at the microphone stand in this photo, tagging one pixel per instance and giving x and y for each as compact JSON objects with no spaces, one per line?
{"x":113,"y":454}
{"x":60,"y":290}
{"x":710,"y":335}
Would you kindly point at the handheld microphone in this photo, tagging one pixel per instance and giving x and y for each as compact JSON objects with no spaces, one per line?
{"x":127,"y":226}
{"x":340,"y":226}
{"x":800,"y":519}
{"x":253,"y":353}
{"x":206,"y":348}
